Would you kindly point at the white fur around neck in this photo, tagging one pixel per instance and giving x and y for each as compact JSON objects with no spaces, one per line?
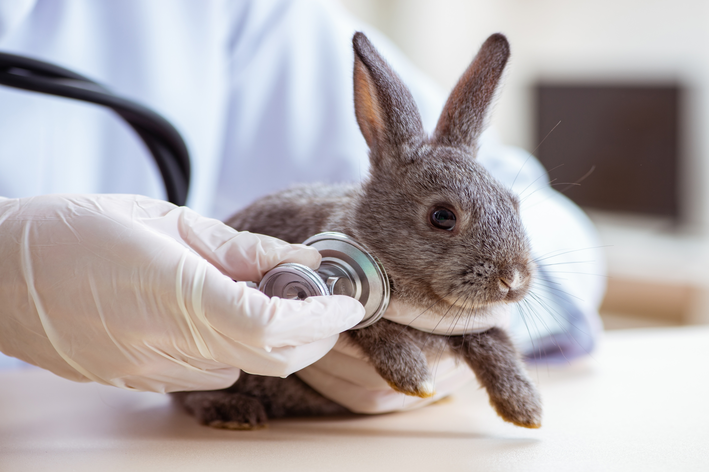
{"x":432,"y":322}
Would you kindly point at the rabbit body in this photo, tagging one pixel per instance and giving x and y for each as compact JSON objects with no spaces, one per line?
{"x":448,"y":234}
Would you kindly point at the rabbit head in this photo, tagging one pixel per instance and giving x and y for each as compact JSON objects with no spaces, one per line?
{"x":449,"y":234}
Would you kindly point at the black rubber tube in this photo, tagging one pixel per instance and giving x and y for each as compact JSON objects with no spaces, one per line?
{"x":161,"y":138}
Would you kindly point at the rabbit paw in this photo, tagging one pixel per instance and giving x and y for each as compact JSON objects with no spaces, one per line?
{"x":521,"y":407}
{"x":408,"y":375}
{"x":493,"y":357}
{"x":396,"y":357}
{"x":226,"y":410}
{"x":425,"y":389}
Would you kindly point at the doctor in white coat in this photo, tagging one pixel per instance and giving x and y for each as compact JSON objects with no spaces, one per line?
{"x":100,"y":284}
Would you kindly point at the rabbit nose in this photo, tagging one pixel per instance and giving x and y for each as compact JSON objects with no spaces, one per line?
{"x":511,"y":280}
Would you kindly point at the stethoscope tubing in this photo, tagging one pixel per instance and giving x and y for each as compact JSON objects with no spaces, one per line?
{"x":161,"y":138}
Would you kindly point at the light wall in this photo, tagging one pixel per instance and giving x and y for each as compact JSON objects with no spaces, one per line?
{"x":600,"y":41}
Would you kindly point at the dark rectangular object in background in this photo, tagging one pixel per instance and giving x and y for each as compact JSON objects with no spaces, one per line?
{"x":630,"y":135}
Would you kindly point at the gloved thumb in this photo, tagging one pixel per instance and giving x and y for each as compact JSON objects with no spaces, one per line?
{"x":247,"y":316}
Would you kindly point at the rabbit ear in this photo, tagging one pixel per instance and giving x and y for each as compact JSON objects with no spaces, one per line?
{"x":463,"y":116}
{"x":385,"y":110}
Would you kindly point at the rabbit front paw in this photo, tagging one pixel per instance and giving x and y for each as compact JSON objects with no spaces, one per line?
{"x":497,"y":366}
{"x":406,"y":372}
{"x":396,"y":357}
{"x":520,"y":405}
{"x":423,"y":389}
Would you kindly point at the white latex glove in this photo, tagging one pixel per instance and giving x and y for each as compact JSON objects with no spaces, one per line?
{"x":345,"y":376}
{"x":138,"y":293}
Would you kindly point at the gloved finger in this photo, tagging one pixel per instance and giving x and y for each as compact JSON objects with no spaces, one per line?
{"x":166,"y":376}
{"x":241,"y":255}
{"x":281,"y":361}
{"x":249,"y":317}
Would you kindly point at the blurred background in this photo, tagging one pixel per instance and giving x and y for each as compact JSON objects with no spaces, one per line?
{"x":620,"y":91}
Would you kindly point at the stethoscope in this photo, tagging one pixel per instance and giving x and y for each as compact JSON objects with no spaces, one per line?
{"x":347,"y":267}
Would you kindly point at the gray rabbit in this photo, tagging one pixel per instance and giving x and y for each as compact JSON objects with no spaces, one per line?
{"x":448,"y":234}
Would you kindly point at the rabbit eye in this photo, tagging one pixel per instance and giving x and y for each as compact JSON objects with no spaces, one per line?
{"x":442,"y":218}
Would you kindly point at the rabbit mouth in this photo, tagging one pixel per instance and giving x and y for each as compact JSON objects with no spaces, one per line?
{"x":501,"y":294}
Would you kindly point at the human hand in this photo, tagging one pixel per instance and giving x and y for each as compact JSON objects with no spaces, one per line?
{"x":138,"y":293}
{"x":344,"y":375}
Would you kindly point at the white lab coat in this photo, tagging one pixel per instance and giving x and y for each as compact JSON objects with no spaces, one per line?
{"x":261,"y":91}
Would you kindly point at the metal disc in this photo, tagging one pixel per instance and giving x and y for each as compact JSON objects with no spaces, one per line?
{"x":357,"y":271}
{"x":293,"y":281}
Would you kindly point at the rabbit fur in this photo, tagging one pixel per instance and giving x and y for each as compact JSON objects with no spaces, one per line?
{"x":482,"y":261}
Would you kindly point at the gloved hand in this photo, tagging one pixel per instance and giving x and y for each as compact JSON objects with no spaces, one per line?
{"x":138,"y":293}
{"x":345,"y":376}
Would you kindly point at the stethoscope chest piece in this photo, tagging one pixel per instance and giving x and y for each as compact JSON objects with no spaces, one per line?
{"x":347,"y":268}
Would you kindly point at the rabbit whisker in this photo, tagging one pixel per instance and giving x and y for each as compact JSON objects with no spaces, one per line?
{"x":581,"y":179}
{"x":553,"y":254}
{"x":532,"y":153}
{"x":440,"y":299}
{"x":454,"y":305}
{"x":556,"y":315}
{"x":555,"y":288}
{"x":568,"y":262}
{"x":524,"y":197}
{"x":524,"y":306}
{"x":461,"y":312}
{"x":546,"y":326}
{"x":579,"y":273}
{"x":545,"y":137}
{"x":545,"y":301}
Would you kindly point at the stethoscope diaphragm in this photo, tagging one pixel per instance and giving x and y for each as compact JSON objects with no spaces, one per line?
{"x":347,"y":268}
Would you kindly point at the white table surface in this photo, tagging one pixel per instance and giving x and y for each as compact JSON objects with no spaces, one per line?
{"x":640,"y":403}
